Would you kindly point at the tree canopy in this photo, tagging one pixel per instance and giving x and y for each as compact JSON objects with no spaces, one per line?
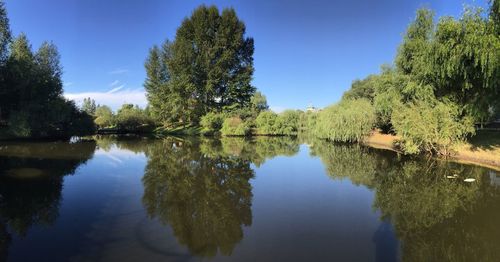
{"x":207,"y":67}
{"x":31,"y":101}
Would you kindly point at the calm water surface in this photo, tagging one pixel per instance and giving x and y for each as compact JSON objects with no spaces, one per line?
{"x":266,"y":199}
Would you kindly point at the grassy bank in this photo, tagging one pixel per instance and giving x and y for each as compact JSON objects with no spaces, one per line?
{"x":482,"y":149}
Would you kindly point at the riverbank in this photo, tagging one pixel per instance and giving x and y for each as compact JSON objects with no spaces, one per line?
{"x":483,"y":149}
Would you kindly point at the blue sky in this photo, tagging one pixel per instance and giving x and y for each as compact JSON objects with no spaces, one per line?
{"x":305,"y":51}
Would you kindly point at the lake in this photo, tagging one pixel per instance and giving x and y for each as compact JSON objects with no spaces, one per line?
{"x":231,"y":199}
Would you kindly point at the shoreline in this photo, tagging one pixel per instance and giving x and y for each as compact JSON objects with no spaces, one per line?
{"x":463,"y":154}
{"x":485,"y":155}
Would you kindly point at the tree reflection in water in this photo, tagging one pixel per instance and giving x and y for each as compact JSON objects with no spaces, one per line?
{"x":205,"y":199}
{"x":436,"y":218}
{"x":202,"y":189}
{"x":31,"y":178}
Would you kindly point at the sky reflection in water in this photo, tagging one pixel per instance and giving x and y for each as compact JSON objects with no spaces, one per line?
{"x":231,"y":199}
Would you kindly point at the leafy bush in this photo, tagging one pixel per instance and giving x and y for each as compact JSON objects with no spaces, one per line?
{"x":104,"y":116}
{"x":211,"y":123}
{"x":348,"y":121}
{"x":266,"y":123}
{"x":287,"y":122}
{"x":19,"y":124}
{"x":131,"y":118}
{"x":62,"y":119}
{"x":235,"y":126}
{"x":270,"y":123}
{"x":432,"y":127}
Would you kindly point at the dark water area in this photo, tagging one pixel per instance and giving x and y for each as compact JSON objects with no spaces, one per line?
{"x":231,"y":199}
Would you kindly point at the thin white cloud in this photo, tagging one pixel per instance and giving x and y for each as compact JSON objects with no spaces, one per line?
{"x":116,"y":89}
{"x":68,"y":84}
{"x":114,"y":100}
{"x":116,"y":82}
{"x":118,"y":71}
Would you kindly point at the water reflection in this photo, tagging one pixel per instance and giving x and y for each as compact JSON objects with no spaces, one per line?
{"x":207,"y":196}
{"x":31,"y":180}
{"x":435,"y":214}
{"x":202,"y":191}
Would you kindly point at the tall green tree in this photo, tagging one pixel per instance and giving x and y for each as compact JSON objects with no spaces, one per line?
{"x":159,"y":96}
{"x":458,"y":58}
{"x":89,"y":106}
{"x":5,"y":38}
{"x":208,"y":67}
{"x":5,"y":35}
{"x":259,"y":102}
{"x":19,"y":78}
{"x":104,"y":116}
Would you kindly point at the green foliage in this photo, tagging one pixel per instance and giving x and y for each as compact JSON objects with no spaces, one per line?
{"x":130,"y":118}
{"x":104,"y":116}
{"x":161,"y":100}
{"x":208,"y":67}
{"x":258,"y":103}
{"x":19,"y":124}
{"x":364,"y":88}
{"x":212,"y":122}
{"x":287,"y":122}
{"x":431,"y":127}
{"x":89,"y":106}
{"x":270,"y":123}
{"x":495,"y":15}
{"x":5,"y":34}
{"x":266,"y":123}
{"x":348,"y":121}
{"x":235,"y":126}
{"x":458,"y":59}
{"x":31,"y":101}
{"x":447,"y":78}
{"x":412,"y":53}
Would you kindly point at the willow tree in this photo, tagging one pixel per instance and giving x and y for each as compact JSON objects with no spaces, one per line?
{"x":458,"y":58}
{"x":208,"y":67}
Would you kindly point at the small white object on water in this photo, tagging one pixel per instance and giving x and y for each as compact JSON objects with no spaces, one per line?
{"x":451,"y":177}
{"x":469,"y":180}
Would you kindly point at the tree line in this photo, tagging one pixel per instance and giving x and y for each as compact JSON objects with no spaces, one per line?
{"x":445,"y":80}
{"x":31,"y":90}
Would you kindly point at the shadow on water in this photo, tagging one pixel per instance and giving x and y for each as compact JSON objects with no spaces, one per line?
{"x":31,"y":181}
{"x":435,"y":214}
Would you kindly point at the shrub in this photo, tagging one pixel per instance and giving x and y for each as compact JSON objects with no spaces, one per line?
{"x":19,"y":125}
{"x":432,"y":127}
{"x":235,"y":126}
{"x":270,"y":123}
{"x":348,"y":121}
{"x":287,"y":123}
{"x":133,"y":119}
{"x":211,"y":123}
{"x":104,"y":116}
{"x":266,"y":123}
